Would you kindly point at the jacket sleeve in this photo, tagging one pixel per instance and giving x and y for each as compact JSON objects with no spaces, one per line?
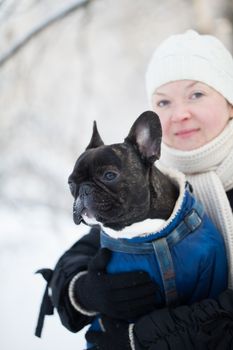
{"x":73,"y":261}
{"x":204,"y":325}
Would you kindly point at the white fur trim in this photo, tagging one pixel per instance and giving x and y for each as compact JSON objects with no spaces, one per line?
{"x":146,"y":226}
{"x":73,"y":301}
{"x":131,"y":336}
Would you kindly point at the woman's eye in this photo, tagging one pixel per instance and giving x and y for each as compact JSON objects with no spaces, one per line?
{"x":196,"y":95}
{"x":162,"y":103}
{"x":109,"y":176}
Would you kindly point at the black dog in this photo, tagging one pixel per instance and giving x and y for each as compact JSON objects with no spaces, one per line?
{"x":148,"y":218}
{"x":117,"y":185}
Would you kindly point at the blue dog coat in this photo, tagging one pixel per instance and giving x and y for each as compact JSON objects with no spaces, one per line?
{"x":186,"y":257}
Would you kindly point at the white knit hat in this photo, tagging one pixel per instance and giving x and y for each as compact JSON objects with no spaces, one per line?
{"x":191,"y":56}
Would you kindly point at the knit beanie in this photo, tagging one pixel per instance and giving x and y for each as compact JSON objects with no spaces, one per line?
{"x":191,"y":56}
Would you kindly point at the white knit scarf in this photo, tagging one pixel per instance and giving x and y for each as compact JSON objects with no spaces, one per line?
{"x":210,"y":171}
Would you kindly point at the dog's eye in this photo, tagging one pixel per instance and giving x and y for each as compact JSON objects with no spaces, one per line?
{"x":109,"y":176}
{"x":72,"y":188}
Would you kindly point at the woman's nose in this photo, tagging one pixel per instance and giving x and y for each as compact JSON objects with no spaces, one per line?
{"x":180,"y":113}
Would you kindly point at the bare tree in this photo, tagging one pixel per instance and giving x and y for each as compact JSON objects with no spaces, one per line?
{"x":69,"y":9}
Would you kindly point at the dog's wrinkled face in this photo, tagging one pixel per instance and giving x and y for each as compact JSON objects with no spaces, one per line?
{"x":110,"y":184}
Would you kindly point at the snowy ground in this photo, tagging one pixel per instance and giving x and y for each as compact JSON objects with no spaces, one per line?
{"x":21,"y":290}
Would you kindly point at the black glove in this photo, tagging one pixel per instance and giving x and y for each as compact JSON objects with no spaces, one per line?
{"x":124,"y":296}
{"x":115,"y":337}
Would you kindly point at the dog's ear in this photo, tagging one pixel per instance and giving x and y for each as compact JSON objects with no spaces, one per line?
{"x":96,"y":140}
{"x":146,"y":135}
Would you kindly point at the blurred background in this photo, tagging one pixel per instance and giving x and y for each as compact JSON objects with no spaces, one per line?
{"x":64,"y":64}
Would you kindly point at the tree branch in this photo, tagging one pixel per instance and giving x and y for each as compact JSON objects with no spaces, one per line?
{"x":41,"y":27}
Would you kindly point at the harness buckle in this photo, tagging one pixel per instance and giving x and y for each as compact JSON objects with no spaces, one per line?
{"x":193,"y":220}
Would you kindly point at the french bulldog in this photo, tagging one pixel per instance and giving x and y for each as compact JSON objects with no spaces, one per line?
{"x":117,"y":185}
{"x":141,"y":209}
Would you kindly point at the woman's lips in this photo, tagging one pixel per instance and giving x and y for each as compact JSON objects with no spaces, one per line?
{"x":186,"y":133}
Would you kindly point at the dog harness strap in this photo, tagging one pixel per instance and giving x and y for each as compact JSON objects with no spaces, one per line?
{"x":167,"y":271}
{"x":162,"y":248}
{"x":189,"y":224}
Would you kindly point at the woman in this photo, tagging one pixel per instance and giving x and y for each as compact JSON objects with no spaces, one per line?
{"x":190,"y":86}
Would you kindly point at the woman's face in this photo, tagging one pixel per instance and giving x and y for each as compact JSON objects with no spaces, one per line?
{"x":191,"y":113}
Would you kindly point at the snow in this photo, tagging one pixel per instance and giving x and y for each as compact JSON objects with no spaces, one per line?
{"x":51,"y":92}
{"x":22,"y":253}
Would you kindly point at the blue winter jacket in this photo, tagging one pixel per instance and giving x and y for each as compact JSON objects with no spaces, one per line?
{"x":187,"y":258}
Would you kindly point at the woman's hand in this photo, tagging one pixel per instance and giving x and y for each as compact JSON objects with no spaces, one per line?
{"x":115,"y":337}
{"x":124,"y":296}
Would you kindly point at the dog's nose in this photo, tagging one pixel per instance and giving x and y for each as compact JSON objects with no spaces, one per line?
{"x":85,"y":190}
